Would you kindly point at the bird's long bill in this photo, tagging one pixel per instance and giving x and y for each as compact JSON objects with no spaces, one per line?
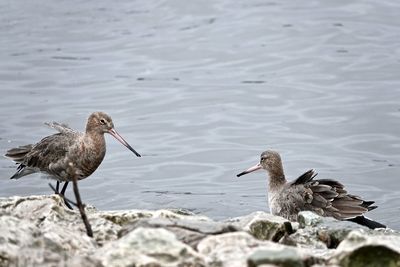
{"x":251,"y":169}
{"x":122,"y":140}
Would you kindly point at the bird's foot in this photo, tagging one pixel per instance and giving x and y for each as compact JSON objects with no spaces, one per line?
{"x":57,"y":187}
{"x":67,"y":201}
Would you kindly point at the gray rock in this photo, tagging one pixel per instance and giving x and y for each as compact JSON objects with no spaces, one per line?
{"x":14,"y":234}
{"x":264,"y":226}
{"x":188,"y":231}
{"x":111,"y":225}
{"x":308,"y":218}
{"x":122,"y":218}
{"x":23,"y":243}
{"x":81,"y":261}
{"x":35,"y":208}
{"x":320,"y":232}
{"x":57,"y":222}
{"x":305,"y":238}
{"x":237,"y":249}
{"x":361,"y":249}
{"x":40,"y":231}
{"x":230,"y":249}
{"x":284,"y":256}
{"x":148,"y":247}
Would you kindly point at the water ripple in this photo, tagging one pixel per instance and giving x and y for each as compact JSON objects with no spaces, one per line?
{"x":202,"y":89}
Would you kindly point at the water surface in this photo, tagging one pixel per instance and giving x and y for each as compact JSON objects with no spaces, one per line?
{"x":200,"y":89}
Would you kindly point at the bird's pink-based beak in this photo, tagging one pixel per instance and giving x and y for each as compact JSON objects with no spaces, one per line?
{"x":122,"y":140}
{"x":251,"y":169}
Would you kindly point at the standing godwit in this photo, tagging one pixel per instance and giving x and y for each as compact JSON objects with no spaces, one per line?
{"x":53,"y":154}
{"x":325,"y":197}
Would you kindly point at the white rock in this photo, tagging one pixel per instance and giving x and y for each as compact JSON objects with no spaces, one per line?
{"x":148,"y":247}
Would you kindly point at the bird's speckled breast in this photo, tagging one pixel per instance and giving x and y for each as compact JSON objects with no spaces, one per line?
{"x":274,"y":203}
{"x":92,"y":153}
{"x":284,"y":203}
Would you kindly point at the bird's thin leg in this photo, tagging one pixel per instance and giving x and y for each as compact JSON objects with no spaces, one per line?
{"x":67,"y":203}
{"x":64,"y":188}
{"x":62,"y":194}
{"x":64,"y":197}
{"x":57,"y":187}
{"x":81,"y":207}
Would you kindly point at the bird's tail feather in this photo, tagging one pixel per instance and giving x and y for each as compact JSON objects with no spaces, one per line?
{"x":18,"y":154}
{"x":22,"y":170}
{"x":367,"y":222}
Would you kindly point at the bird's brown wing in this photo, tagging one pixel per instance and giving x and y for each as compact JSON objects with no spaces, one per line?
{"x":48,"y":150}
{"x":305,"y":177}
{"x":329,"y":197}
{"x":49,"y":155}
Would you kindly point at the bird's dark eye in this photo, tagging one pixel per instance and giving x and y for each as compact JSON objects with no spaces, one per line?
{"x":102,"y":121}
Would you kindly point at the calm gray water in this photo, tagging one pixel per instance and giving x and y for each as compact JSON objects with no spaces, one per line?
{"x":200,"y":89}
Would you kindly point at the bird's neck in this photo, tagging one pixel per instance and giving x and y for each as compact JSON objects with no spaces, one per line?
{"x":276,"y":177}
{"x":93,"y":150}
{"x":94,"y":139}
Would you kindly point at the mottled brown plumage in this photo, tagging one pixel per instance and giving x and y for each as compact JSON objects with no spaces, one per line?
{"x":53,"y":154}
{"x":325,"y":197}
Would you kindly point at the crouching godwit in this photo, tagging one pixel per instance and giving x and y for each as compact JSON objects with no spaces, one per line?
{"x":325,"y":197}
{"x":53,"y":154}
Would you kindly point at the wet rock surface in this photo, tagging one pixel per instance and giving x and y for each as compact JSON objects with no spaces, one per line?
{"x":41,"y":231}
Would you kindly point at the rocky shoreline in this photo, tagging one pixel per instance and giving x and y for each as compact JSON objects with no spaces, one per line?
{"x":41,"y":231}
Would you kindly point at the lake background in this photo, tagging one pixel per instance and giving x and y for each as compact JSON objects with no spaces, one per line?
{"x":200,"y":89}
